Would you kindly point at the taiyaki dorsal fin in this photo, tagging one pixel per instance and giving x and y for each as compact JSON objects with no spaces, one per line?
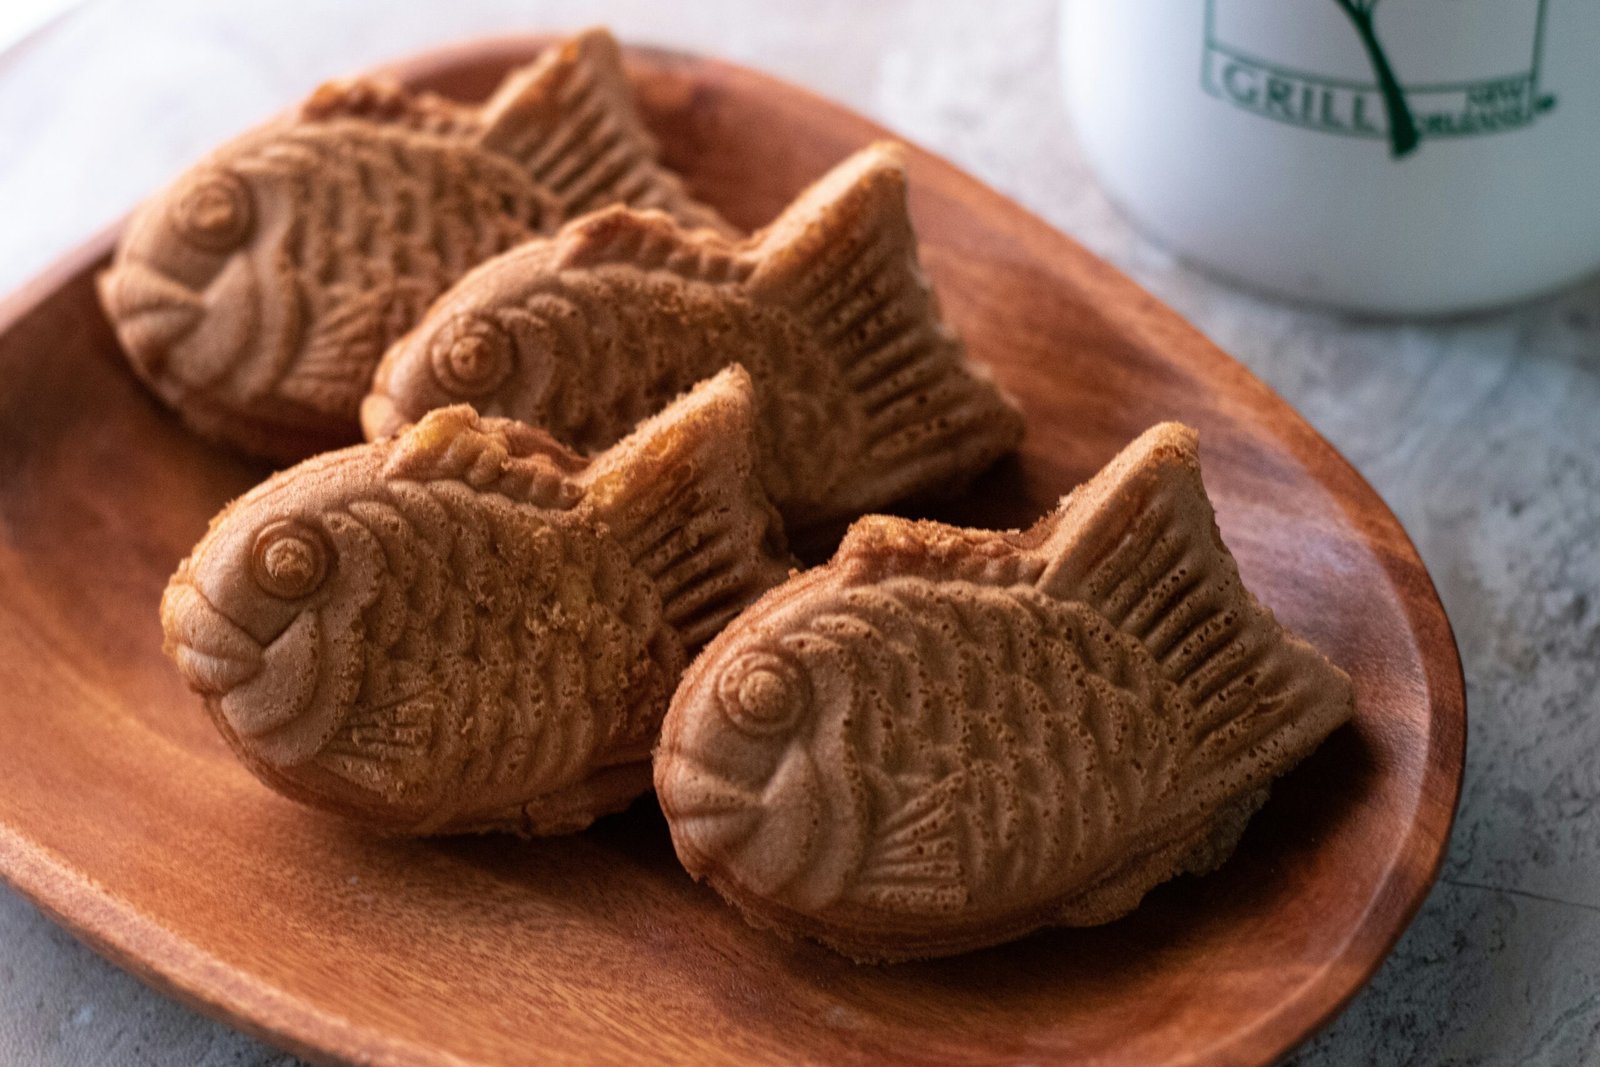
{"x":1139,"y":543}
{"x":843,"y":258}
{"x":648,"y":240}
{"x":490,"y":455}
{"x":883,"y":546}
{"x":382,"y":100}
{"x":683,"y":495}
{"x":569,"y":118}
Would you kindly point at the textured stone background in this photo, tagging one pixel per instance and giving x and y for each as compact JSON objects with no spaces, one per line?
{"x":1482,"y":433}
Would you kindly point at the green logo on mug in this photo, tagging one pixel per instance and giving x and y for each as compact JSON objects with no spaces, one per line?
{"x":1345,"y":71}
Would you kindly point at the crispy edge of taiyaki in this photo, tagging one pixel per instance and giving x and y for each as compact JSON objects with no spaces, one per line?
{"x":678,"y":498}
{"x":1138,"y":547}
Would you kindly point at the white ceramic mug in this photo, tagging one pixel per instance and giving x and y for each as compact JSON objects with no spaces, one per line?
{"x":1394,"y":156}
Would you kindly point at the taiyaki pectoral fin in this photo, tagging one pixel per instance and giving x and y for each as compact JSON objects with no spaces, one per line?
{"x":331,"y":374}
{"x":843,"y":258}
{"x":384,"y":748}
{"x":915,"y":859}
{"x":683,"y":493}
{"x":569,"y":117}
{"x":334,"y":370}
{"x":1140,"y":543}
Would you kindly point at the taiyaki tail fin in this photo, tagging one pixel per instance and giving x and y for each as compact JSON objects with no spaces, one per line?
{"x":569,"y":118}
{"x":1139,"y":543}
{"x":844,"y":258}
{"x":682,"y":492}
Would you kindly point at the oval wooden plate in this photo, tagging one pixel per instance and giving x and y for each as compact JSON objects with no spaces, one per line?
{"x":122,"y":814}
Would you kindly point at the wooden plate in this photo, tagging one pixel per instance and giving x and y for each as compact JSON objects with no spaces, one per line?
{"x":123,"y":816}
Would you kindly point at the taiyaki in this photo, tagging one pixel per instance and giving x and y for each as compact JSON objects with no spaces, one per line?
{"x":865,"y":394}
{"x":947,"y":738}
{"x":469,"y":627}
{"x":257,"y":293}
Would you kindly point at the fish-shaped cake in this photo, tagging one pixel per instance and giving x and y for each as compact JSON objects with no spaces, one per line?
{"x":948,"y":738}
{"x":469,"y":627}
{"x":257,"y":293}
{"x":866,"y":396}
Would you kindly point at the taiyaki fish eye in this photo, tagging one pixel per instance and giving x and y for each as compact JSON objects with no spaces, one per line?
{"x":763,"y":692}
{"x":214,"y":212}
{"x":471,"y":355}
{"x":289,"y":559}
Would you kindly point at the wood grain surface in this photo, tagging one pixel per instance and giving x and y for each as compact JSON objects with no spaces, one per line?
{"x":123,"y":815}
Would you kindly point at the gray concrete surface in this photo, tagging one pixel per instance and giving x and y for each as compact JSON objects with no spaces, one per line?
{"x":1482,"y":433}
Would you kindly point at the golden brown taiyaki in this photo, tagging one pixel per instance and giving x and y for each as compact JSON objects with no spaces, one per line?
{"x":469,"y":627}
{"x":948,"y":738}
{"x":257,"y":293}
{"x":865,"y":394}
